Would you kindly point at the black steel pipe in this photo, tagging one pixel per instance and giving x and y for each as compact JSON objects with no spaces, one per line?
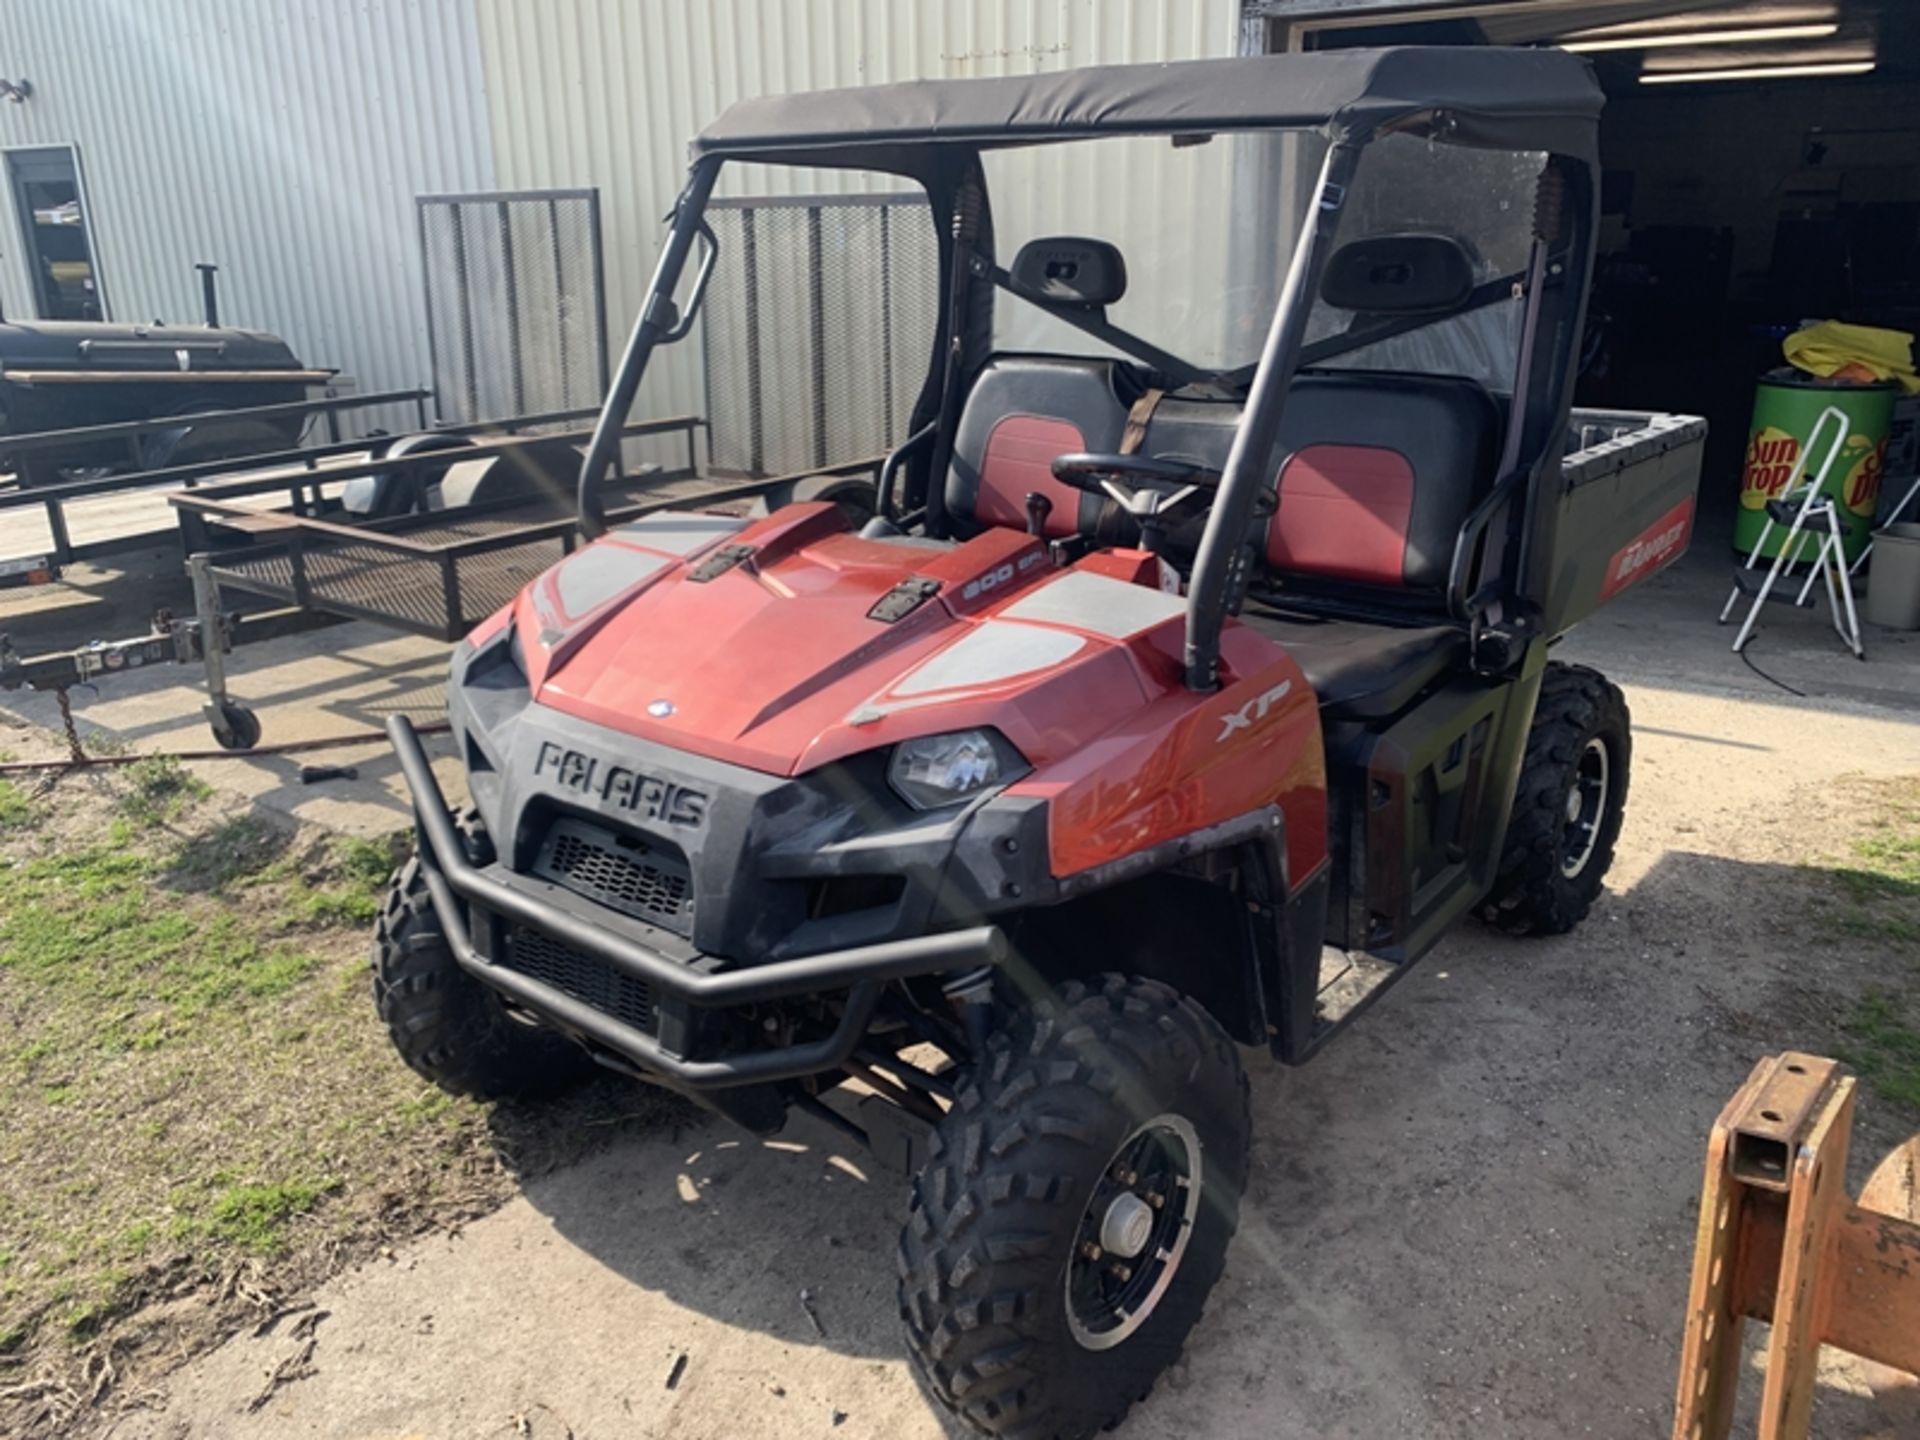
{"x":130,"y":429}
{"x":636,"y":1046}
{"x":1250,"y":460}
{"x":209,"y":293}
{"x":657,"y":321}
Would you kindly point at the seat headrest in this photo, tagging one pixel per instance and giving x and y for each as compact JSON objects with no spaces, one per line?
{"x":1399,"y":275}
{"x":1070,"y":270}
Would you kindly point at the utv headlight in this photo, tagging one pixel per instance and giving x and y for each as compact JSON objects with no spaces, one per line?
{"x":937,"y":770}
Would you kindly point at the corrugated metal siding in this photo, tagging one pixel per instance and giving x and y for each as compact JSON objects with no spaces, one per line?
{"x":282,"y":139}
{"x":608,"y":92}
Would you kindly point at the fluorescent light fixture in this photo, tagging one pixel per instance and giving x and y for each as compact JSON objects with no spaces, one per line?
{"x":1705,"y":37}
{"x":1757,"y":72}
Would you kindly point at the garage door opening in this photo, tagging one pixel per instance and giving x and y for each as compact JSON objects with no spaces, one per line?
{"x":1761,"y":171}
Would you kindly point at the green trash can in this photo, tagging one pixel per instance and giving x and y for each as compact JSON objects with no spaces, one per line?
{"x":1786,"y":405}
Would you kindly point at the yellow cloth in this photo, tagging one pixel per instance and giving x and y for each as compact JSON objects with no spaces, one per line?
{"x":1832,"y":345}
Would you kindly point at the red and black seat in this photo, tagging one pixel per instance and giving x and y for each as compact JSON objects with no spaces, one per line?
{"x":1377,"y":474}
{"x":1022,"y":413}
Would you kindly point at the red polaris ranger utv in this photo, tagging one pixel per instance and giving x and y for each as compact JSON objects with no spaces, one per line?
{"x":1145,"y":654}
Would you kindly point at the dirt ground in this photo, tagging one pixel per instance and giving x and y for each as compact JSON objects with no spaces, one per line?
{"x":1471,"y":1217}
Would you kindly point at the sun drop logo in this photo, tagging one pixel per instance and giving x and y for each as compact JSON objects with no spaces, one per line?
{"x":1770,"y":459}
{"x":1862,"y":487}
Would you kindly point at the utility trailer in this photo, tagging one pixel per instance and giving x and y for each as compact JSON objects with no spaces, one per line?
{"x":426,"y":534}
{"x":123,"y":451}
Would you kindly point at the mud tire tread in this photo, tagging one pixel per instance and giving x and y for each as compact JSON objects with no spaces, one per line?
{"x":448,"y":1027}
{"x":1531,"y":896}
{"x":1007,"y":1177}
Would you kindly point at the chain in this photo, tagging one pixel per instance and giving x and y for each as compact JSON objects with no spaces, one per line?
{"x":75,"y":749}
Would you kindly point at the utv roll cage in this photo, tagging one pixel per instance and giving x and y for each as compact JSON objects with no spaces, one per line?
{"x":935,"y":132}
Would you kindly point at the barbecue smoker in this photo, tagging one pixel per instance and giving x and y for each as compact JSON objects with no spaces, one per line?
{"x":1183,"y":679}
{"x":62,"y":375}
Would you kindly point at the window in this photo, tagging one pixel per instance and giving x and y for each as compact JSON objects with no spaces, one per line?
{"x":57,"y":238}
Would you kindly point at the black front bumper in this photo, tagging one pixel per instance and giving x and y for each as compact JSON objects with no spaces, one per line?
{"x":861,"y":972}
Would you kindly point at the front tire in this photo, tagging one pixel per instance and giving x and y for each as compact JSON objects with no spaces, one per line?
{"x":447,"y":1026}
{"x":1075,"y":1209}
{"x":1568,"y":807}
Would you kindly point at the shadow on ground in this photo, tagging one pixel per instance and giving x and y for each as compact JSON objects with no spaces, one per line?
{"x":1472,"y":1216}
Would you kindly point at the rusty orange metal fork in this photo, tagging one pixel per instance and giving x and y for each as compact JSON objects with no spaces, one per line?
{"x":1781,"y":1242}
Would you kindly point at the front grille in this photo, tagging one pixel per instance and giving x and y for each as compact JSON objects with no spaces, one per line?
{"x":592,"y":982}
{"x":643,"y":878}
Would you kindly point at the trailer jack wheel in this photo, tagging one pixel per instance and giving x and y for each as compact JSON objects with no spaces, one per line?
{"x":235,"y":727}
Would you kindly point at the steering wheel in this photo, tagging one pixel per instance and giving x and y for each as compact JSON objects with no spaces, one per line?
{"x":1152,"y":491}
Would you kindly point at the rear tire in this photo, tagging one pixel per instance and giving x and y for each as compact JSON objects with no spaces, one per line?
{"x":448,"y":1027}
{"x":1567,"y":810}
{"x":1082,"y":1112}
{"x":856,"y":495}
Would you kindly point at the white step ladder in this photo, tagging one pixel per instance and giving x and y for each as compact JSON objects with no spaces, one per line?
{"x":1810,"y":516}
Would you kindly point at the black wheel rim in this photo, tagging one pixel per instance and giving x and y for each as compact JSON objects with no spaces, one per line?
{"x":1586,"y":807}
{"x":1134,"y":1232}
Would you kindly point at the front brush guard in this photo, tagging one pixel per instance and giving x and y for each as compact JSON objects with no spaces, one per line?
{"x":862,"y":972}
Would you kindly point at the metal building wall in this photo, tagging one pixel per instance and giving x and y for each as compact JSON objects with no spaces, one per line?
{"x":608,"y":92}
{"x":283,"y":140}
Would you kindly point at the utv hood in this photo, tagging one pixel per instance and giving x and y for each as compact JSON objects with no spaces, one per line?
{"x":787,"y":642}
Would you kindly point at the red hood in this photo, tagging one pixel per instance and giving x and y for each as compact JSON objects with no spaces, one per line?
{"x":779,"y":661}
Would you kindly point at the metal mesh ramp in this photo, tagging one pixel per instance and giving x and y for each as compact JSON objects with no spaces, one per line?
{"x":516,"y":303}
{"x":818,"y":327}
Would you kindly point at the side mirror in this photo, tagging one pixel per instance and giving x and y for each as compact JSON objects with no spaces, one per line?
{"x":1399,"y":275}
{"x":1069,"y":270}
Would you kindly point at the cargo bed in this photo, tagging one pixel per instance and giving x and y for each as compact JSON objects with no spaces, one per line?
{"x":1628,"y":484}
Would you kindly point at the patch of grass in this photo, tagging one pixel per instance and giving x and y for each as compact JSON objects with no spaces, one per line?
{"x":232,"y":854}
{"x":1878,"y":883}
{"x":193,"y":1087}
{"x":333,"y":883}
{"x":16,"y":810}
{"x":159,"y":789}
{"x":1877,"y":903}
{"x":254,"y":1217}
{"x":92,"y":925}
{"x":186,"y":1030}
{"x":1883,"y":1044}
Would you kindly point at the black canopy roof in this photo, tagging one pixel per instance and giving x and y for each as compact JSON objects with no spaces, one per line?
{"x":1508,"y":99}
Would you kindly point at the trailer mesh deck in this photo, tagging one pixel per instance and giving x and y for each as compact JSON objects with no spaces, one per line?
{"x":446,"y":580}
{"x":395,"y":589}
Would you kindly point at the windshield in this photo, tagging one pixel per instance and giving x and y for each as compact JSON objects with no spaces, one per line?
{"x":1202,"y":226}
{"x":816,"y":332}
{"x":1207,"y":232}
{"x":1481,"y":198}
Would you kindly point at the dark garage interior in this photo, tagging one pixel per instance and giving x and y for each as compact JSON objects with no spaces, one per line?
{"x":1762,"y":169}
